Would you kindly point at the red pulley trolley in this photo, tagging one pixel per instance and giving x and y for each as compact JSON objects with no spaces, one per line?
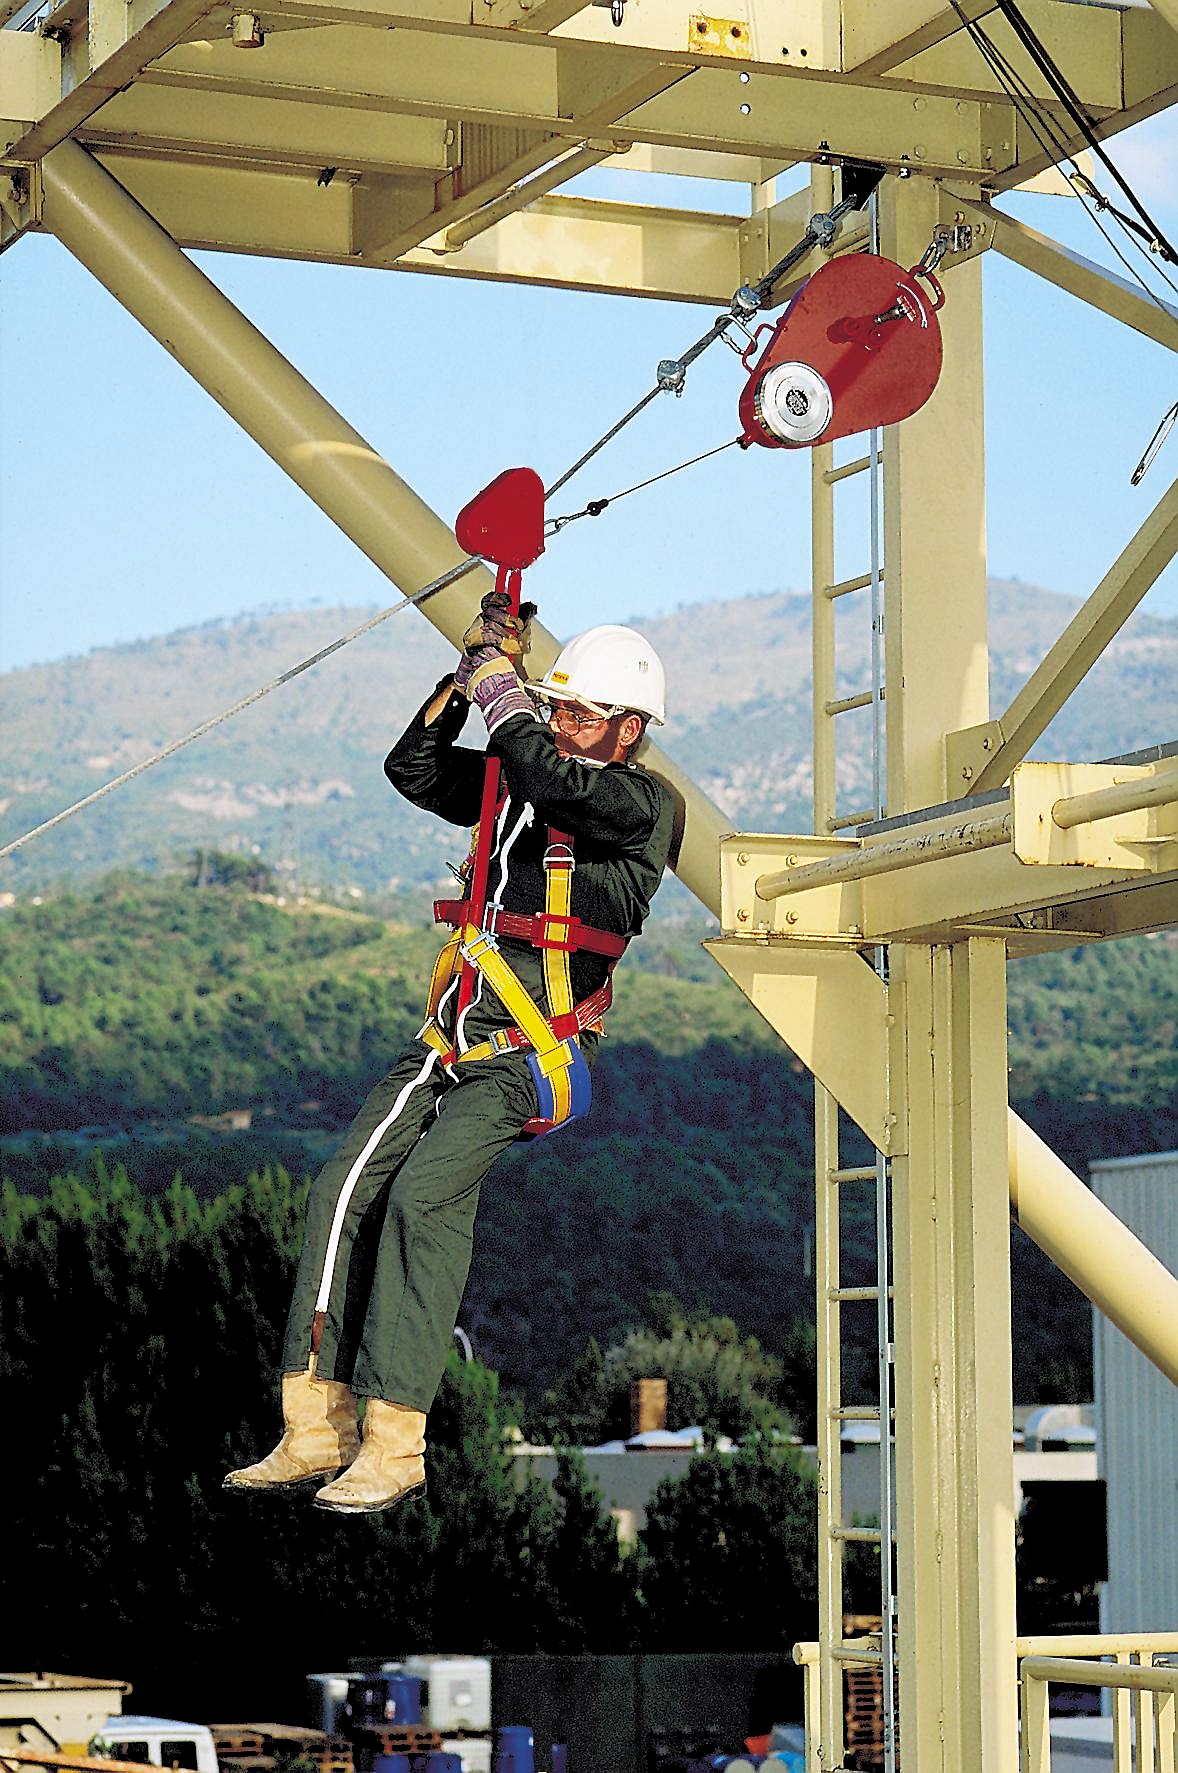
{"x":858,"y":347}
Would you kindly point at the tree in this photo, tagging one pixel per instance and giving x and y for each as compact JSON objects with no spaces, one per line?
{"x":728,"y":1552}
{"x":593,"y":1579}
{"x":717,"y":1379}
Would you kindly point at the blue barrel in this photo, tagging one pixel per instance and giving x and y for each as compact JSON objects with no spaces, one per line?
{"x":391,"y":1764}
{"x":402,"y":1698}
{"x":560,"y":1757}
{"x":514,"y":1750}
{"x":439,"y":1760}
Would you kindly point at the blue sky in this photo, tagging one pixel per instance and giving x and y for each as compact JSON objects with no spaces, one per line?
{"x":130,"y":505}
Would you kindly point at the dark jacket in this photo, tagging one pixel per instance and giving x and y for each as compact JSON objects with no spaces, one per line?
{"x":619,"y":816}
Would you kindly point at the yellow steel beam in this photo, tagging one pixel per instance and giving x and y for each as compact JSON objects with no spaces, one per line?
{"x":782,"y":112}
{"x":123,"y":41}
{"x":877,"y":38}
{"x":1116,"y":296}
{"x":982,"y":757}
{"x":533,"y":15}
{"x":934,"y":529}
{"x":143,"y":268}
{"x":1091,"y":1245}
{"x":30,"y":80}
{"x":561,"y":242}
{"x":232,"y":126}
{"x":1168,"y":9}
{"x":951,"y":1265}
{"x":810,"y":999}
{"x":584,"y":243}
{"x":493,"y":161}
{"x":572,"y":89}
{"x":1090,"y":52}
{"x":956,"y":871}
{"x":699,"y":164}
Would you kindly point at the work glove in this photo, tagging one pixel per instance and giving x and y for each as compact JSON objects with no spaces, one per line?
{"x":496,"y":626}
{"x":487,"y":677}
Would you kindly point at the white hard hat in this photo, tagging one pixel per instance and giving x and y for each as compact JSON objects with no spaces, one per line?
{"x":608,"y":669}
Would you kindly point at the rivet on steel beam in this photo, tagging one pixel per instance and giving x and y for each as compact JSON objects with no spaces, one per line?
{"x":791,"y":917}
{"x":742,"y":915}
{"x":742,"y":858}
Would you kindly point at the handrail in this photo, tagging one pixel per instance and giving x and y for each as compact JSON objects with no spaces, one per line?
{"x":1157,"y":1724}
{"x":1065,"y":1659}
{"x":1122,"y":797}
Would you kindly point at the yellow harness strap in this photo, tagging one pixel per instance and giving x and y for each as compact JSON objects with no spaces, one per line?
{"x":553,"y":1056}
{"x":558,"y":903}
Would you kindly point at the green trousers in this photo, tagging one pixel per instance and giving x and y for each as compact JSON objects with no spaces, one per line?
{"x":390,"y":1223}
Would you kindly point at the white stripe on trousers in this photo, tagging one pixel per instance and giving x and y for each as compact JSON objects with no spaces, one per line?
{"x":353,"y":1176}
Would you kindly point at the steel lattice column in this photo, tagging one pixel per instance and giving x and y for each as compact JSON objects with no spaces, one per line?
{"x":954,"y":1455}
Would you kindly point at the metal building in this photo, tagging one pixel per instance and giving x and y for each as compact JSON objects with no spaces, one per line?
{"x":1137,"y":1438}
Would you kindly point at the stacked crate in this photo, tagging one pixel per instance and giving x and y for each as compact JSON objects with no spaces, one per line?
{"x":263,"y":1748}
{"x":863,"y":1726}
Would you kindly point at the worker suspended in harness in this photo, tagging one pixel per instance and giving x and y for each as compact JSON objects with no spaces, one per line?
{"x":581,"y":835}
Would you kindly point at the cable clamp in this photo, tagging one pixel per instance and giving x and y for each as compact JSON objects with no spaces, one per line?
{"x":671,"y":375}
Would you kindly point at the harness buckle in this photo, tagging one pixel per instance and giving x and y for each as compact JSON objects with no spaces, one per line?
{"x":481,"y":944}
{"x":559,"y":855}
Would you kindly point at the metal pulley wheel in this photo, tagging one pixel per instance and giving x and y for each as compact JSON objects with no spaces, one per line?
{"x":794,"y":403}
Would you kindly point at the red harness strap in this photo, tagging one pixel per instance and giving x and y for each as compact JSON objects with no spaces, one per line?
{"x":535,"y":927}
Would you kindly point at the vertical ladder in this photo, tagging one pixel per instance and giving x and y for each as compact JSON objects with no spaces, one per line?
{"x":831,"y":1177}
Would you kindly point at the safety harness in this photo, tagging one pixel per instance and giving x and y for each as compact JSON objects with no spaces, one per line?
{"x":555,"y":1059}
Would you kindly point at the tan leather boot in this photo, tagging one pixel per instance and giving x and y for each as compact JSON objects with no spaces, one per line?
{"x":321,"y":1436}
{"x":389,"y":1467}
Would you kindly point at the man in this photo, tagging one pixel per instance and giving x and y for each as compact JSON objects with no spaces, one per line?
{"x":581,"y":838}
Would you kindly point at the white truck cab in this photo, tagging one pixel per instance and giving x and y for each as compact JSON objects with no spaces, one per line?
{"x":157,"y":1742}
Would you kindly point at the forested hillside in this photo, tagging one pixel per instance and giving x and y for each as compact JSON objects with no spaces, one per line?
{"x":135,"y":1007}
{"x":298,"y":775}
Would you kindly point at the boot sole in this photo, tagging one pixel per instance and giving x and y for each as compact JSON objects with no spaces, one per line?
{"x":316,"y":1478}
{"x":370,"y":1507}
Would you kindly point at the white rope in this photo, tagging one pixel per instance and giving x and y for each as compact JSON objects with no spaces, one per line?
{"x":206,"y":726}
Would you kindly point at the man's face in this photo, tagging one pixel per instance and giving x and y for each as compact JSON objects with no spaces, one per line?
{"x":581,"y":733}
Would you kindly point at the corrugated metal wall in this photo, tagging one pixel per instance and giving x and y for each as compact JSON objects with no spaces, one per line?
{"x":1137,"y":1418}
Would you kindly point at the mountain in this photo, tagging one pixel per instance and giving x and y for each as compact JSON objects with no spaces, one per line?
{"x":297,"y":777}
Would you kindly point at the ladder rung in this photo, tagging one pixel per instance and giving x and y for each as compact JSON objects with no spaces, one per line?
{"x":855,"y":1413}
{"x":858,"y":1535}
{"x":852,"y":1653}
{"x":834,"y":475}
{"x":858,"y":1173}
{"x":845,"y":586}
{"x":845,"y":703}
{"x":855,"y":1295}
{"x":847,"y":819}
